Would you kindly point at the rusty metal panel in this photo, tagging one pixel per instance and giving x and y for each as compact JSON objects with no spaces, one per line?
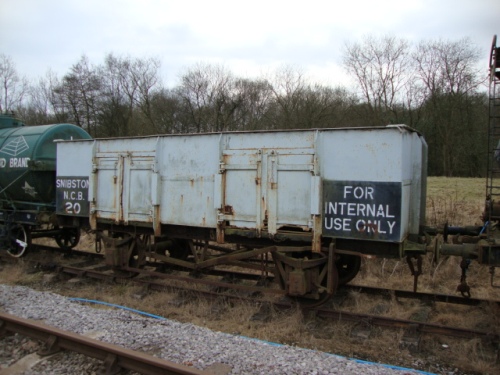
{"x":188,"y":165}
{"x":268,"y":177}
{"x":242,"y":188}
{"x":137,"y":188}
{"x":122,"y":180}
{"x":108,"y":183}
{"x":295,"y":174}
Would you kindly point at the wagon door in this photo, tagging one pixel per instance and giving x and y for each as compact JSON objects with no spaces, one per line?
{"x":241,"y":181}
{"x":270,"y":189}
{"x":123,"y":188}
{"x":292,"y":189}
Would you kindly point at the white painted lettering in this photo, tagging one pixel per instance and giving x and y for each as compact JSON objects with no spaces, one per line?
{"x":351,"y":209}
{"x":19,"y":162}
{"x":391,"y":226}
{"x":347,"y":190}
{"x":357,"y":209}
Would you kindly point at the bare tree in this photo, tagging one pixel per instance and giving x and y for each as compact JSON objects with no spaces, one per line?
{"x":14,"y":88}
{"x":210,"y":99}
{"x":127,"y":88}
{"x":448,"y":66}
{"x":288,"y":86}
{"x":165,"y":111}
{"x":448,"y":72}
{"x":382,"y":68}
{"x":42,"y":104}
{"x":78,"y":94}
{"x":145,"y":76}
{"x":256,"y":97}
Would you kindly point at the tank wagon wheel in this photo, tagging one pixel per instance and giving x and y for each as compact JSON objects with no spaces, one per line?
{"x":20,"y":241}
{"x":348,"y":267}
{"x":68,"y":238}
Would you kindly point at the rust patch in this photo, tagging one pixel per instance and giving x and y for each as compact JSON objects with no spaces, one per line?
{"x":369,"y":228}
{"x":373,"y":227}
{"x":228,"y":210}
{"x":257,"y":180}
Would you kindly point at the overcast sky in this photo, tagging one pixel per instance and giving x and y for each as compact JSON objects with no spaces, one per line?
{"x":249,"y":38}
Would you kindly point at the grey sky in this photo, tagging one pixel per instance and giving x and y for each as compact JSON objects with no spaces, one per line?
{"x":250,"y":38}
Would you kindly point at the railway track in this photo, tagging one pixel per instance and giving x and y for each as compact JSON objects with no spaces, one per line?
{"x":422,"y":296}
{"x":90,"y":267}
{"x":213,"y":287}
{"x":115,"y":358}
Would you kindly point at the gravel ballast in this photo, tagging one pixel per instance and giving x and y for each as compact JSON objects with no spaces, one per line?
{"x":178,"y":342}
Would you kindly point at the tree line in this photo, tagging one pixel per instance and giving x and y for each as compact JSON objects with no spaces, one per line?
{"x":433,"y":86}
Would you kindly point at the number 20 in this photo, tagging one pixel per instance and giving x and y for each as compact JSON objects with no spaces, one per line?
{"x":73,"y":208}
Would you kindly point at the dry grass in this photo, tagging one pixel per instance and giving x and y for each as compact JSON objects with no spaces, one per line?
{"x":458,"y":201}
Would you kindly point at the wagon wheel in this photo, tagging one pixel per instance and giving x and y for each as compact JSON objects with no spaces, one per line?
{"x":20,"y":240}
{"x":348,"y":267}
{"x":325,"y":272}
{"x":318,"y":268}
{"x":68,"y":238}
{"x":136,"y":257}
{"x":180,"y":249}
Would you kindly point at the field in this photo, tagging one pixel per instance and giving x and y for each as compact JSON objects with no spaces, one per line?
{"x":458,"y":201}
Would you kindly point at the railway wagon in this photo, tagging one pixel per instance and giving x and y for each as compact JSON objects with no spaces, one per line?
{"x":307,"y":202}
{"x":27,"y":175}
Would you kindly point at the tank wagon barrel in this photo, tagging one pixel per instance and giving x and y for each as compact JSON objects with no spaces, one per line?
{"x":27,"y":175}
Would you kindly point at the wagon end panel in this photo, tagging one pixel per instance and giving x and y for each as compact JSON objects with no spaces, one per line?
{"x":74,"y":166}
{"x":371,"y":184}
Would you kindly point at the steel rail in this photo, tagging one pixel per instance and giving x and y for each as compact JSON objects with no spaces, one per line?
{"x":424,"y":296}
{"x":114,"y":357}
{"x":420,"y":327}
{"x":81,"y":272}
